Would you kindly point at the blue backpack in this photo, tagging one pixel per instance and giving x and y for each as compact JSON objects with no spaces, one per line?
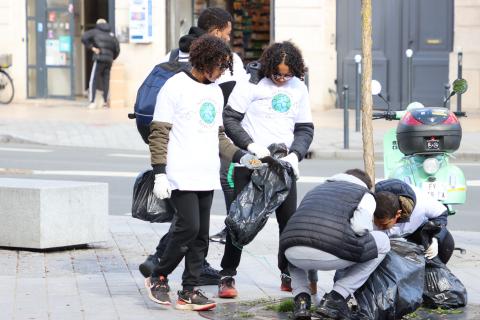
{"x":148,"y":92}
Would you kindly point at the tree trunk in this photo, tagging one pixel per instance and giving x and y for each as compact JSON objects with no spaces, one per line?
{"x":367,"y":101}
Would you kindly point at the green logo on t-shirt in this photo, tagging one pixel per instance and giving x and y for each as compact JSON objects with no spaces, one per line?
{"x":208,"y":112}
{"x":281,"y":103}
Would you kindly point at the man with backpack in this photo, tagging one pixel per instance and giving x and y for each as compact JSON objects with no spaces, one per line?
{"x":217,"y":22}
{"x":105,"y":47}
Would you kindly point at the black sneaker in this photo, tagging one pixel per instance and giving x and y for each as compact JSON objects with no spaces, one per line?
{"x":194,"y":300}
{"x":220,"y":237}
{"x":158,"y":289}
{"x":146,"y":268}
{"x":302,"y":304}
{"x":333,"y":306}
{"x":209,"y":276}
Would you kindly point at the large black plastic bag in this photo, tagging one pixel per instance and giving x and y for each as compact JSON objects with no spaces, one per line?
{"x":268,"y":188}
{"x":145,"y":205}
{"x":395,"y":288}
{"x":442,"y":288}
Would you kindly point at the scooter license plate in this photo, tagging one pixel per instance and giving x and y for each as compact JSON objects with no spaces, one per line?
{"x":433,"y":144}
{"x":435,"y":189}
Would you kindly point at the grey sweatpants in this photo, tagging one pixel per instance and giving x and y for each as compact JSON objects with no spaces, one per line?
{"x":350,"y":275}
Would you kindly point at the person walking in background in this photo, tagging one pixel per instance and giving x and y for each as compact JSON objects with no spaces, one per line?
{"x":274,"y":110}
{"x":185,"y":142}
{"x":105,"y":47}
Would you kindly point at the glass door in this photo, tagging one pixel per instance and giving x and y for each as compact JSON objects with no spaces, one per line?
{"x":58,"y":37}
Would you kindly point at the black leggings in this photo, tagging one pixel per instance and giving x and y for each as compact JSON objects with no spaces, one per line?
{"x":188,"y":236}
{"x":228,"y":193}
{"x":232,"y":254}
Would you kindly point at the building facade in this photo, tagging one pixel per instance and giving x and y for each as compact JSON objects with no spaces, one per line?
{"x":49,"y":61}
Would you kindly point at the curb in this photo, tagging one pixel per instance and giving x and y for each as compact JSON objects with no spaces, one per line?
{"x":5,"y":138}
{"x":356,"y":154}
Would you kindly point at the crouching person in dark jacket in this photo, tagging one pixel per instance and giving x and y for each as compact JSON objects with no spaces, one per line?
{"x":333,"y":230}
{"x":421,"y":219}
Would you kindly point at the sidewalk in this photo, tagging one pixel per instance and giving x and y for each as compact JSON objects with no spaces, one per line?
{"x":102,"y":282}
{"x":55,"y":122}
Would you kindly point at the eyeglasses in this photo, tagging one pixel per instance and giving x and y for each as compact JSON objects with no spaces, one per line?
{"x":285,"y":77}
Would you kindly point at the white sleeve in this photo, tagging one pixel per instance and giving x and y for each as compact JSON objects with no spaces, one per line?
{"x":304,"y":112}
{"x":165,"y":104}
{"x":428,"y":205}
{"x":362,"y":219}
{"x":239,"y":72}
{"x":241,"y":96}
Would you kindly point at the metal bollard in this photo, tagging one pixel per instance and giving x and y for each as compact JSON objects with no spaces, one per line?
{"x":358,"y":76}
{"x":345,"y":117}
{"x":409,"y":54}
{"x":447,"y":94}
{"x":459,"y":76}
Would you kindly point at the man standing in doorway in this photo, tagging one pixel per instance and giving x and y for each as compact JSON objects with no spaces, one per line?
{"x":105,"y":47}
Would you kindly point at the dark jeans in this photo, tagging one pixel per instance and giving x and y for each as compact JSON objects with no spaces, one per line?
{"x":232,"y":254}
{"x":100,"y":73}
{"x":188,"y":236}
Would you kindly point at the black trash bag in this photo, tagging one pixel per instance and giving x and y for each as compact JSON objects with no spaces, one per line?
{"x":395,"y":288}
{"x":442,"y":288}
{"x":266,"y":191}
{"x":145,"y":205}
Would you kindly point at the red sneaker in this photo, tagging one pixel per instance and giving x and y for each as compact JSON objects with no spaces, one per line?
{"x":286,"y":282}
{"x":226,"y":288}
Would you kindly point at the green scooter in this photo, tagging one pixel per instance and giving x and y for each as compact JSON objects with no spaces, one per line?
{"x":419,"y":149}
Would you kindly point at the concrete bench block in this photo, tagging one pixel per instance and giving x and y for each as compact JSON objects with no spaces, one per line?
{"x":41,"y":214}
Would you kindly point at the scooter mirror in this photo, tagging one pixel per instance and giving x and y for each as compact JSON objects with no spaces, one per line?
{"x":460,"y":86}
{"x":376,"y":88}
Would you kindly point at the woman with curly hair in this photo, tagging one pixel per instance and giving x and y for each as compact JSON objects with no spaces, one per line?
{"x":276,"y":109}
{"x":186,"y":138}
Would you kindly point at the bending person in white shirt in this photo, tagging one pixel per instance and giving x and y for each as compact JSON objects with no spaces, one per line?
{"x":417,"y":208}
{"x":276,"y":109}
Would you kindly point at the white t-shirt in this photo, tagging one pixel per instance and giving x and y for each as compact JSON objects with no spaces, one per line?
{"x":271,"y":111}
{"x":195,"y":112}
{"x":426,"y":208}
{"x":239,"y":73}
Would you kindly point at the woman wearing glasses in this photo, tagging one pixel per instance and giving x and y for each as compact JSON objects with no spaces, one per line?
{"x":276,"y":109}
{"x":186,"y":138}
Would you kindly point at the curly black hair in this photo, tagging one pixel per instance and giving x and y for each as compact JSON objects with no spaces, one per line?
{"x":214,"y":18}
{"x":282,"y":52}
{"x":208,"y":52}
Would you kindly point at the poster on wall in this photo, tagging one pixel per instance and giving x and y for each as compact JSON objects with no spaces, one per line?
{"x":140,"y":21}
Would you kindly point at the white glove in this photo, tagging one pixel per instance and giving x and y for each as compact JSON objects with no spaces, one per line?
{"x":432,"y":250}
{"x":258,"y":150}
{"x":250,"y":161}
{"x":161,"y":188}
{"x":293,"y":160}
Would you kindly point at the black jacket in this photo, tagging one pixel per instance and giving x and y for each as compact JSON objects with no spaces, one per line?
{"x":102,"y":38}
{"x":322,"y":221}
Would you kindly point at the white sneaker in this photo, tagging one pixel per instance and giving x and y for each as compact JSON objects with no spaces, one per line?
{"x":92,"y":105}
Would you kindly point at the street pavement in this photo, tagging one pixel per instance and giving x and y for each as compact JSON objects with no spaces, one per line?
{"x":102,"y":281}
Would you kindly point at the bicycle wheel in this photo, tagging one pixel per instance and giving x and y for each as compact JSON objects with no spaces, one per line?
{"x":6,"y":88}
